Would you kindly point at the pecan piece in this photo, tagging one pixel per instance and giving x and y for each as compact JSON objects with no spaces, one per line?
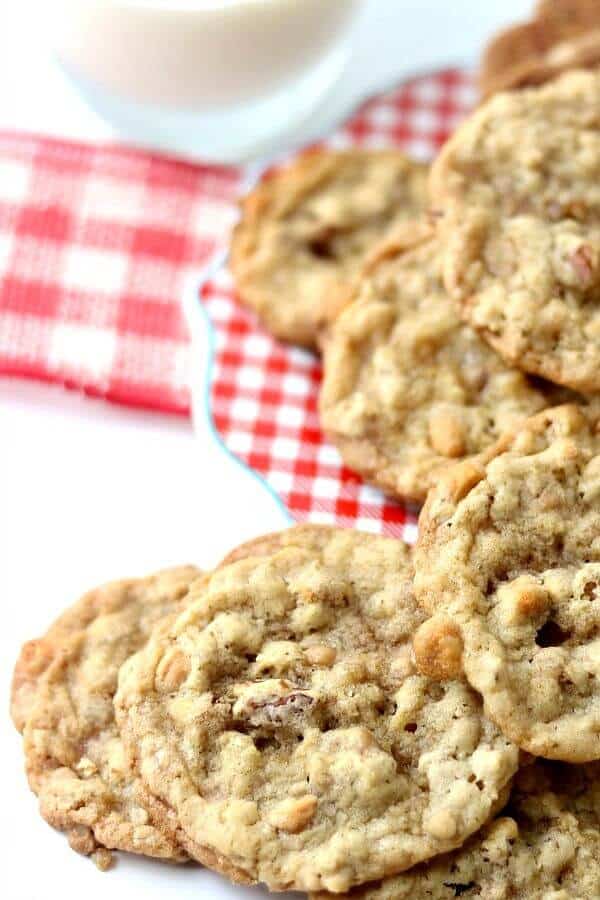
{"x":272,"y":703}
{"x":583,"y":264}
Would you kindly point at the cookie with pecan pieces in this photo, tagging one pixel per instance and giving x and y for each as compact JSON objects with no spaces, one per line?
{"x":509,"y":554}
{"x":409,"y":388}
{"x":75,"y":760}
{"x":283,"y":721}
{"x":519,"y":184}
{"x":306,"y":231}
{"x":546,"y":844}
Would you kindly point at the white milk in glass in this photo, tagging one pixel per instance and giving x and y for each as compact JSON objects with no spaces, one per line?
{"x":213,"y":78}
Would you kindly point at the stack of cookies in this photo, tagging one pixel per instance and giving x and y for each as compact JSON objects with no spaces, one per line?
{"x":331,"y":712}
{"x":448,"y":305}
{"x":334,"y":712}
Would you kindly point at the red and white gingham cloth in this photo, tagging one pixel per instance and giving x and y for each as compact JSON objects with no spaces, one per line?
{"x":96,"y":244}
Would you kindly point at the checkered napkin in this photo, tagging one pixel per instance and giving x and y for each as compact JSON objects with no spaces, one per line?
{"x":96,"y":243}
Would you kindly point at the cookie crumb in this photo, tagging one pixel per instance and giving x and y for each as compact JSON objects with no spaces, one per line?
{"x":103,"y":859}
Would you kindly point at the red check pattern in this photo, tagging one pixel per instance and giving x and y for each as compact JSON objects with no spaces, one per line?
{"x":95,"y":246}
{"x":264,"y":404}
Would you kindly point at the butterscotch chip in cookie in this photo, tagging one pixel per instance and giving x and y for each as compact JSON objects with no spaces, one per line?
{"x":75,"y":760}
{"x":408,"y":388}
{"x":306,"y":231}
{"x":520,"y":186}
{"x":514,"y":560}
{"x":544,"y":846}
{"x":304,"y":748}
{"x":438,"y":648}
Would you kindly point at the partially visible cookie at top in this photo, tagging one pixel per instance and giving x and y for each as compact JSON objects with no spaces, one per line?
{"x":282,"y":720}
{"x":570,"y":16}
{"x":544,"y":846}
{"x":306,"y":230}
{"x":523,"y":66}
{"x":519,"y":186}
{"x":408,"y":388}
{"x":563,"y":34}
{"x":75,"y":760}
{"x":512,"y":50}
{"x":509,"y":551}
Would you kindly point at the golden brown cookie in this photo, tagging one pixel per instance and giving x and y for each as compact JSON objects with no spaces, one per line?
{"x":558,"y":56}
{"x":306,"y":230}
{"x":509,"y":552}
{"x":283,"y":722}
{"x":408,"y":388}
{"x":75,"y":760}
{"x":561,"y":35}
{"x":544,"y":846}
{"x":35,"y":657}
{"x":514,"y":50}
{"x":519,"y":184}
{"x":570,"y":16}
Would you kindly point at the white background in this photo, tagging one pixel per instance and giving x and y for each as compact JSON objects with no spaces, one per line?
{"x":90,"y":491}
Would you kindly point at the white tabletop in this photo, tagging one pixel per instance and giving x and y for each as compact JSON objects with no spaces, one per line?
{"x":90,"y":491}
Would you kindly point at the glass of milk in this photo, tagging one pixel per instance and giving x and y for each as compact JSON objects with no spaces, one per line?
{"x":215,"y":79}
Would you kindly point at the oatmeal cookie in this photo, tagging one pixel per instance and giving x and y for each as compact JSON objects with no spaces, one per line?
{"x":570,"y":16}
{"x":75,"y":760}
{"x":306,"y":231}
{"x":409,"y":388}
{"x":554,"y":56}
{"x":563,"y":34}
{"x":519,"y":184}
{"x":35,"y":657}
{"x":514,"y":50}
{"x":283,"y":721}
{"x":509,"y":552}
{"x":545,"y":846}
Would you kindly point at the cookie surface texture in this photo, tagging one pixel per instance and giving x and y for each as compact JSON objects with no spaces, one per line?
{"x":544,"y":846}
{"x":408,"y":388}
{"x":75,"y":760}
{"x":509,"y":549}
{"x":35,"y":658}
{"x":284,"y":723}
{"x":519,"y":185}
{"x":306,"y":231}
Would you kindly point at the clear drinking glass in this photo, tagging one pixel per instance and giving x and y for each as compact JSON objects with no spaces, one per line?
{"x":216,"y":79}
